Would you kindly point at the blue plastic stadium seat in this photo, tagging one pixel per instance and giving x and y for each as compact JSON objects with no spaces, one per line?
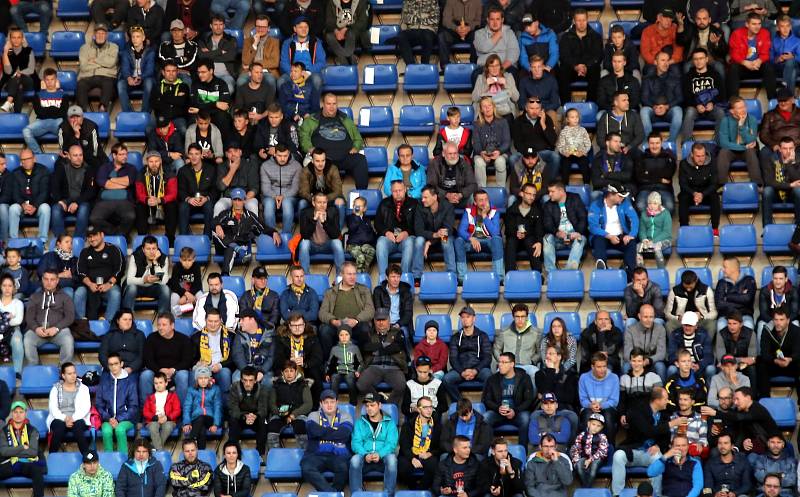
{"x":616,"y":318}
{"x":24,"y":243}
{"x":266,"y":251}
{"x":200,"y":244}
{"x":588,"y":112}
{"x":37,"y":42}
{"x":131,"y":125}
{"x":522,"y":286}
{"x":417,"y":119}
{"x":782,"y":409}
{"x":572,"y":320}
{"x":69,"y":82}
{"x":458,"y":77}
{"x":11,"y":126}
{"x":252,"y":459}
{"x":737,"y":239}
{"x":438,"y":287}
{"x":445,"y":326}
{"x":377,"y":160}
{"x":703,"y":274}
{"x":467,"y":115}
{"x":112,"y":462}
{"x":283,"y":465}
{"x":481,"y":286}
{"x":421,"y":78}
{"x":373,"y":198}
{"x":606,"y":284}
{"x":583,"y":191}
{"x":740,"y":197}
{"x":117,"y":38}
{"x":238,"y":36}
{"x":165,"y":458}
{"x":145,"y":326}
{"x":340,"y":79}
{"x":60,"y":466}
{"x":234,"y":284}
{"x":592,"y":492}
{"x":12,"y":162}
{"x":73,"y":10}
{"x":776,"y":238}
{"x":766,"y":275}
{"x":65,"y":45}
{"x":695,"y":241}
{"x":388,"y":409}
{"x":565,"y":284}
{"x":754,"y":108}
{"x":99,"y":328}
{"x":277,"y":282}
{"x":686,"y":147}
{"x":163,"y":241}
{"x":365,"y":279}
{"x":661,"y":278}
{"x":497,"y":197}
{"x":47,"y":160}
{"x":319,"y":282}
{"x":38,"y":418}
{"x":383,"y":78}
{"x":485,"y":323}
{"x":184,"y":326}
{"x":8,"y":376}
{"x":37,"y":380}
{"x":102,"y":121}
{"x":595,"y":25}
{"x":120,"y":241}
{"x":386,"y":6}
{"x":376,"y":121}
{"x":387,"y":38}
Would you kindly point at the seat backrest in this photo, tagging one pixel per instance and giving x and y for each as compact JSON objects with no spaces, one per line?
{"x":319,"y":282}
{"x":696,"y":237}
{"x":38,"y":418}
{"x":582,"y":191}
{"x":235,"y":284}
{"x":754,"y":108}
{"x":480,"y":281}
{"x":37,"y":376}
{"x":565,"y":280}
{"x":132,"y":121}
{"x":61,"y":465}
{"x":572,"y":320}
{"x":380,"y":75}
{"x":375,"y":117}
{"x":99,"y":327}
{"x":458,"y":74}
{"x":119,"y":241}
{"x":252,"y":459}
{"x":443,"y":320}
{"x":467,"y":114}
{"x":68,"y":80}
{"x":686,"y":148}
{"x":386,"y":33}
{"x":47,"y":160}
{"x":9,"y":377}
{"x":438,"y":284}
{"x":739,"y":193}
{"x":737,"y":237}
{"x":766,"y":275}
{"x":588,"y":112}
{"x":145,"y":326}
{"x":165,"y":458}
{"x":592,"y":492}
{"x":703,"y":274}
{"x":661,"y":278}
{"x":522,"y":284}
{"x":12,"y":124}
{"x":340,"y":77}
{"x":608,"y":281}
{"x":485,"y":322}
{"x":497,"y":197}
{"x":37,"y":42}
{"x":377,"y":159}
{"x":283,"y":459}
{"x":102,"y":121}
{"x":184,"y":326}
{"x":373,"y":198}
{"x":417,"y":115}
{"x":200,"y":244}
{"x":112,"y":462}
{"x":365,"y":279}
{"x":777,"y":235}
{"x":418,"y":75}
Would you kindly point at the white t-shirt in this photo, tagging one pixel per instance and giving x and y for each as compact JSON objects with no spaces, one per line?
{"x":613,"y":225}
{"x":161,"y":402}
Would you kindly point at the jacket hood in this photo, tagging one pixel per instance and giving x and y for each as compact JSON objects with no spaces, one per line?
{"x":414,"y":164}
{"x":223,"y":467}
{"x":690,"y":160}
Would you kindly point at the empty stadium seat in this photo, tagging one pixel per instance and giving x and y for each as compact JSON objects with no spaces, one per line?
{"x":234,"y":284}
{"x":252,"y":459}
{"x":776,"y":238}
{"x":131,"y":125}
{"x":69,"y":82}
{"x":607,"y":284}
{"x":37,"y":380}
{"x":438,"y":287}
{"x":319,"y":282}
{"x":661,"y":278}
{"x":102,"y":121}
{"x":740,"y":198}
{"x":283,"y":465}
{"x":737,"y":239}
{"x":165,"y":458}
{"x":485,"y":323}
{"x":364,"y":279}
{"x":376,"y":121}
{"x":65,"y":45}
{"x":467,"y":115}
{"x":384,"y":38}
{"x":522,"y":286}
{"x":783,"y":410}
{"x":238,"y":36}
{"x":754,"y":108}
{"x":145,"y":326}
{"x":417,"y":119}
{"x":421,"y":78}
{"x":592,"y":492}
{"x":588,"y":112}
{"x":695,"y":241}
{"x":480,"y":286}
{"x":458,"y":77}
{"x":565,"y":285}
{"x":583,"y":191}
{"x":340,"y":79}
{"x":377,"y":160}
{"x":572,"y":320}
{"x":9,"y":377}
{"x":60,"y":466}
{"x":379,"y":78}
{"x":267,"y":251}
{"x":184,"y":326}
{"x":445,"y":326}
{"x":47,"y":160}
{"x":37,"y":42}
{"x":200,"y":244}
{"x":112,"y":462}
{"x":38,"y":418}
{"x":11,"y":126}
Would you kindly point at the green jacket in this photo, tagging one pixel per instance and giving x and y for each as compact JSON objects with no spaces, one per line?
{"x":382,"y":440}
{"x":311,"y":123}
{"x":83,"y":485}
{"x":656,"y":228}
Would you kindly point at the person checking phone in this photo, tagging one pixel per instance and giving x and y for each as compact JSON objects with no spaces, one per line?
{"x":682,"y":474}
{"x":548,"y":472}
{"x":502,"y":471}
{"x":148,"y":273}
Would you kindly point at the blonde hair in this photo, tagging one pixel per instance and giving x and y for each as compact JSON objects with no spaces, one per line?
{"x":481,"y":119}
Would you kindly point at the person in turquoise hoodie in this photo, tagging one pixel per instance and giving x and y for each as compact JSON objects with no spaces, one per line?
{"x":374,"y":443}
{"x":407,"y":170}
{"x":601,"y":239}
{"x":785,"y":50}
{"x":655,"y":231}
{"x":202,"y":408}
{"x":537,"y":39}
{"x":737,"y":137}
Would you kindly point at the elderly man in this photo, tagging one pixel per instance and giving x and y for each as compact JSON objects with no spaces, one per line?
{"x":347,"y":302}
{"x":98,"y":68}
{"x":384,"y":358}
{"x":398,"y":225}
{"x":452,"y":176}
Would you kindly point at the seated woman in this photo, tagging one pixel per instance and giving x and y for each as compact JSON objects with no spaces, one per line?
{"x":123,"y":339}
{"x":559,"y":337}
{"x":11,"y":313}
{"x":68,"y":409}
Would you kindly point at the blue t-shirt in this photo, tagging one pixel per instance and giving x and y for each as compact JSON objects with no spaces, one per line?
{"x":508,"y":392}
{"x":752,"y":52}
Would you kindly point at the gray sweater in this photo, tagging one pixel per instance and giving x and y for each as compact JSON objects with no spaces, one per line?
{"x":548,"y":478}
{"x":280,"y":180}
{"x":216,"y":139}
{"x":653,"y":342}
{"x":720,"y":381}
{"x":507,"y":47}
{"x":347,"y":359}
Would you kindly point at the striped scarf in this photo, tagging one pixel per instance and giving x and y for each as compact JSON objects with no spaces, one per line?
{"x":23,"y":440}
{"x":422,"y":436}
{"x":205,"y":348}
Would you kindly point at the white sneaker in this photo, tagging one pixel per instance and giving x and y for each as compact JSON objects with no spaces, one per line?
{"x":7,"y":107}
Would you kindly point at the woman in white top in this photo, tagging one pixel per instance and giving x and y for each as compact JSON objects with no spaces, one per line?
{"x":69,"y":409}
{"x":12,"y":311}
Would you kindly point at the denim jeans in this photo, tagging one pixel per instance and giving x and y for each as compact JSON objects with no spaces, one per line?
{"x":385,"y":248}
{"x":181,"y":380}
{"x":620,"y":463}
{"x":240,"y":7}
{"x":42,"y":214}
{"x":63,"y":340}
{"x":674,"y":117}
{"x":770,"y":196}
{"x":185,"y":213}
{"x":495,"y":246}
{"x":4,"y":222}
{"x":82,"y":298}
{"x":600,"y":246}
{"x":586,"y":475}
{"x":57,"y":216}
{"x":17,"y":350}
{"x":667,"y":198}
{"x":125,"y":101}
{"x":789,"y":71}
{"x":42,"y":7}
{"x":552,"y":160}
{"x":453,"y":379}
{"x":448,"y":252}
{"x":315,"y":464}
{"x":388,"y":464}
{"x":37,"y":129}
{"x":552,"y":244}
{"x":521,"y":420}
{"x":418,"y":261}
{"x":157,"y":291}
{"x":691,"y":115}
{"x":308,"y":248}
{"x":288,"y":209}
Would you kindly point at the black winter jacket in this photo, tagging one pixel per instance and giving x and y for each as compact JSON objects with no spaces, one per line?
{"x":609,"y":84}
{"x":574,"y":50}
{"x":170,"y":100}
{"x":532,"y":221}
{"x":308,"y":225}
{"x":406,"y":440}
{"x":381,"y":299}
{"x":481,"y":436}
{"x":526,"y":134}
{"x":523,"y":391}
{"x":653,"y":168}
{"x":59,"y":188}
{"x":668,"y":84}
{"x":576,"y":213}
{"x":386,"y":220}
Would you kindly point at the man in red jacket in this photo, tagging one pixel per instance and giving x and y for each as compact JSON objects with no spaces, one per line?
{"x":749,"y":47}
{"x":156,"y":195}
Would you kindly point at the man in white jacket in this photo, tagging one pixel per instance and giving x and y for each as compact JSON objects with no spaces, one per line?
{"x":225,"y":301}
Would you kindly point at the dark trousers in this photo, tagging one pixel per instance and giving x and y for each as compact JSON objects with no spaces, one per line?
{"x":373,"y":375}
{"x":350,"y":379}
{"x":277,"y":425}
{"x":567,"y":75}
{"x":737,"y":72}
{"x":199,"y":426}
{"x":685,"y":201}
{"x":514,"y":245}
{"x":170,"y":219}
{"x":107,"y":86}
{"x":100,"y":7}
{"x":34,"y":471}
{"x":314,"y":465}
{"x":766,"y":369}
{"x":408,"y":474}
{"x":448,"y":38}
{"x":750,"y":156}
{"x":185,"y":211}
{"x":235,"y":427}
{"x":58,"y":430}
{"x":16,"y":88}
{"x":114,"y":217}
{"x":356,"y":166}
{"x":409,"y":38}
{"x":583,"y":164}
{"x":600,"y":246}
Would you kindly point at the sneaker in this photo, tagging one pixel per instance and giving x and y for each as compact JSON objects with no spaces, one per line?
{"x":601,"y":264}
{"x":716,"y":232}
{"x":7,"y":107}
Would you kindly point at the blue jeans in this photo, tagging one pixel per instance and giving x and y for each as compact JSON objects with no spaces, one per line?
{"x":388,"y":465}
{"x":240,"y":7}
{"x":384,"y":248}
{"x":181,"y":379}
{"x":495,"y":246}
{"x":4,"y":222}
{"x":552,"y":244}
{"x":770,"y":196}
{"x":453,"y":379}
{"x":39,"y":128}
{"x":620,"y":463}
{"x":448,"y":252}
{"x":315,"y":464}
{"x":789,"y":71}
{"x":57,"y":216}
{"x":125,"y":101}
{"x":586,"y":475}
{"x":308,"y":248}
{"x":157,"y":291}
{"x":42,"y":214}
{"x":42,"y":7}
{"x":553,"y":161}
{"x":521,"y":420}
{"x":112,"y":299}
{"x":288,"y":208}
{"x":667,"y":199}
{"x":674,"y":117}
{"x":691,"y":115}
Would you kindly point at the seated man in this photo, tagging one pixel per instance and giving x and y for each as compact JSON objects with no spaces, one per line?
{"x":253,"y":347}
{"x":453,"y":176}
{"x":49,"y":104}
{"x":211,"y":346}
{"x":236,"y":229}
{"x":261,"y":299}
{"x":347,"y":302}
{"x":686,"y":377}
{"x":191,"y":476}
{"x":320,"y":230}
{"x":100,"y":269}
{"x":737,"y":137}
{"x":138,"y":69}
{"x":779,"y":292}
{"x":156,"y":196}
{"x":384,"y":359}
{"x":147,"y":276}
{"x":211,"y":94}
{"x":458,"y":473}
{"x":419,"y":20}
{"x":523,"y":222}
{"x":564,"y":223}
{"x":662,"y":97}
{"x":611,"y":166}
{"x":548,"y":470}
{"x":751,"y":423}
{"x":623,"y":119}
{"x":739,"y":342}
{"x":28,"y":191}
{"x":399,"y":228}
{"x":217,"y":298}
{"x":776,"y":461}
{"x":780,"y":350}
{"x":642,"y":290}
{"x":299,"y":297}
{"x":635,"y":386}
{"x":48,"y":320}
{"x":681,"y":473}
{"x":438,"y":222}
{"x":691,"y":293}
{"x":598,"y":390}
{"x":302,"y":46}
{"x":264,"y":51}
{"x":114,"y":211}
{"x":704,"y":91}
{"x":424,"y":384}
{"x":581,"y":53}
{"x":562,"y":424}
{"x":729,"y":377}
{"x":196,"y":190}
{"x":248,"y":407}
{"x":20,"y":445}
{"x":479,"y":231}
{"x":620,"y":77}
{"x":237,"y":171}
{"x":168,"y":352}
{"x":374,"y":443}
{"x":735,"y":292}
{"x":694,"y":339}
{"x":280,"y":182}
{"x":471,"y":424}
{"x":321,"y":176}
{"x":697,"y":177}
{"x":654,"y":173}
{"x":328,"y":448}
{"x":601,"y":336}
{"x":398,"y":297}
{"x":170,"y":98}
{"x":781,"y":176}
{"x":691,"y":424}
{"x":470,"y":355}
{"x":621,"y":235}
{"x":749,"y":56}
{"x":98,"y":67}
{"x":72,"y":190}
{"x":508,"y":396}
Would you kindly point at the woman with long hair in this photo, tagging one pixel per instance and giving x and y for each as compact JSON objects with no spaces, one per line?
{"x":499,"y":84}
{"x":491,"y":143}
{"x":559,"y":337}
{"x":69,"y":408}
{"x":11,"y":313}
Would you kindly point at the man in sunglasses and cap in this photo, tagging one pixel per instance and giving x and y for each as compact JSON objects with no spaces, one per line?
{"x":613,"y":223}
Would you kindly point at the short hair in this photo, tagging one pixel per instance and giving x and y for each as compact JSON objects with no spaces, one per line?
{"x":189,"y":441}
{"x":461,"y":438}
{"x":117,"y":147}
{"x":619,"y":93}
{"x":280,"y":147}
{"x":783,"y":18}
{"x":774,"y":475}
{"x":499,"y":441}
{"x":214,"y":276}
{"x":700,"y":50}
{"x":619,"y":53}
{"x":50,"y":71}
{"x":657,"y":393}
{"x":299,"y":65}
{"x":689,"y":277}
{"x":206,"y":63}
{"x":212,"y":312}
{"x":289,"y":364}
{"x":480,"y":191}
{"x":113,"y":355}
{"x":49,"y":270}
{"x":317,"y":152}
{"x":66,"y":365}
{"x":734,"y":315}
{"x":242,"y":114}
{"x":510,"y":356}
{"x":520,"y":307}
{"x":637,"y":352}
{"x":406,"y":146}
{"x":724,"y":434}
{"x":194,"y":146}
{"x":639,"y":270}
{"x":249,"y":371}
{"x":688,"y":392}
{"x":557,"y":184}
{"x":535,"y":58}
{"x":203,"y":114}
{"x":745,"y":391}
{"x":786,"y":139}
{"x":616,"y":28}
{"x":753,"y":16}
{"x":682,"y":353}
{"x":452,"y":112}
{"x":149,"y":240}
{"x":295,"y":316}
{"x":781,"y":309}
{"x":430,"y":189}
{"x":495,"y":10}
{"x":394,"y":269}
{"x":274,"y":107}
{"x":297,"y":267}
{"x":10,"y":250}
{"x":579,"y":11}
{"x":187,"y":252}
{"x":698,"y":146}
{"x":734,"y":100}
{"x":547,"y":437}
{"x":464,"y":406}
{"x":217,"y":17}
{"x":326,"y":95}
{"x":262,"y":17}
{"x":654,"y":134}
{"x":599,"y":356}
{"x":160,"y":375}
{"x":612,"y":134}
{"x":349,"y":264}
{"x":166,"y":315}
{"x":424,"y":397}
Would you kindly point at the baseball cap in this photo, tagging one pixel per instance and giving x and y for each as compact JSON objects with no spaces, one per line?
{"x":597,"y":417}
{"x":248,"y":313}
{"x":529,"y":19}
{"x":660,"y":100}
{"x":530,"y":152}
{"x":260,"y":272}
{"x":728,"y":359}
{"x":176,"y":24}
{"x":238,"y":194}
{"x":150,"y":153}
{"x":690,"y":318}
{"x":90,"y":456}
{"x":75,"y":110}
{"x":644,"y":489}
{"x":371,"y":397}
{"x":300,"y":19}
{"x":784,"y":94}
{"x":381,"y":313}
{"x":467,"y":310}
{"x":327,"y":394}
{"x":668,"y":13}
{"x":549,"y":397}
{"x":619,"y":189}
{"x":19,"y":403}
{"x":93,"y":230}
{"x":101,"y":27}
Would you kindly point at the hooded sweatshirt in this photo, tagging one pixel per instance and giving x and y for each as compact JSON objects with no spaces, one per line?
{"x":100,"y":485}
{"x":234,"y":484}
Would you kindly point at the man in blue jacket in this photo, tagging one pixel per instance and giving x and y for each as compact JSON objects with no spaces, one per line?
{"x":299,"y":297}
{"x":375,"y":440}
{"x":614,"y":224}
{"x":598,"y":390}
{"x":117,"y":402}
{"x":480,"y":230}
{"x":328,"y":447}
{"x":537,"y":39}
{"x":682,"y":475}
{"x":302,"y":47}
{"x":137,"y":70}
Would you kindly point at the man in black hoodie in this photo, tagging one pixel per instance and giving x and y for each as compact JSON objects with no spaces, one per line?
{"x":459,"y":473}
{"x":470,"y":355}
{"x":502,"y":471}
{"x":698,"y":180}
{"x":751,"y":422}
{"x":524,"y":231}
{"x":654,"y":173}
{"x":508,"y":396}
{"x":621,"y":79}
{"x":581,"y":53}
{"x":211,"y":94}
{"x":72,"y":191}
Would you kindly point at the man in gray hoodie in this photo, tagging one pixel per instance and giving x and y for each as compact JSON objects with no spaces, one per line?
{"x":48,"y":315}
{"x":548,"y":472}
{"x":280,"y":182}
{"x":496,"y":38}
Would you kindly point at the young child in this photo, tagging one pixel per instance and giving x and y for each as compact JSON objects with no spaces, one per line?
{"x":298,"y":98}
{"x":574,"y":145}
{"x":590,"y":450}
{"x":655,"y":231}
{"x":186,"y":281}
{"x":202,"y":407}
{"x":360,"y":236}
{"x":345,"y":364}
{"x":455,"y":133}
{"x":162,"y":411}
{"x":22,"y":278}
{"x":434,"y":348}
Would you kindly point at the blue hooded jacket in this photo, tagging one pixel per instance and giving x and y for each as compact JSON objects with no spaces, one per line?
{"x":192,"y":407}
{"x":126,"y":63}
{"x":127,"y":397}
{"x":151,"y":483}
{"x":419,"y":178}
{"x":382,"y":440}
{"x":544,"y":45}
{"x":780,"y":46}
{"x":627,"y":217}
